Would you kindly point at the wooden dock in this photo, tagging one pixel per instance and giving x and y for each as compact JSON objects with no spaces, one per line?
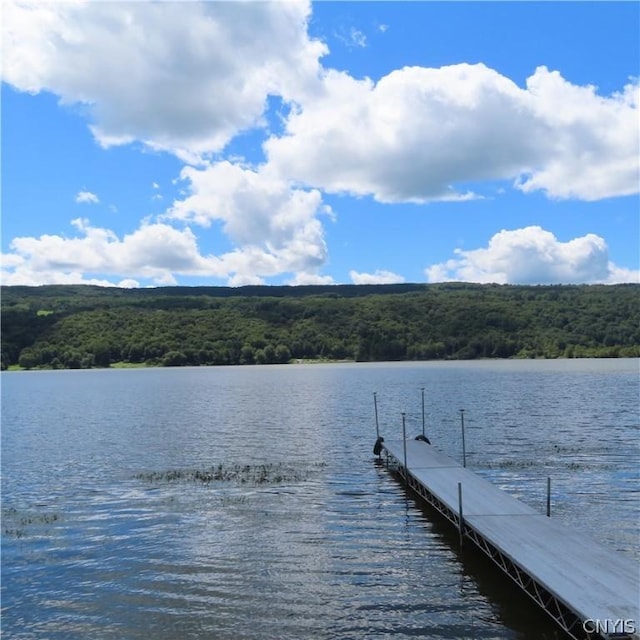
{"x":582,"y":585}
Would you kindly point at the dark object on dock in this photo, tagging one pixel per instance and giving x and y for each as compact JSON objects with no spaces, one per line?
{"x":423,"y":438}
{"x":377,"y":447}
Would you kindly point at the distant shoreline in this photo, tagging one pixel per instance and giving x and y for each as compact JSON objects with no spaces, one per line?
{"x":304,"y":362}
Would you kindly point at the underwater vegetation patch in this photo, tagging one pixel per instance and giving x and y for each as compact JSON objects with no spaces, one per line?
{"x":511,"y":464}
{"x":17,"y":523}
{"x":571,"y":465}
{"x":254,"y":474}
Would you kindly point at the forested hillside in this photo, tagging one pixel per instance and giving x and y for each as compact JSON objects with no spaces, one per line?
{"x":85,"y":326}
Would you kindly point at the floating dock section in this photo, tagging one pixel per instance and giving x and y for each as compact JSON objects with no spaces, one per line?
{"x":589,"y":590}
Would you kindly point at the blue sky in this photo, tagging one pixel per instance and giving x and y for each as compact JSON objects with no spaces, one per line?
{"x":148,"y":144}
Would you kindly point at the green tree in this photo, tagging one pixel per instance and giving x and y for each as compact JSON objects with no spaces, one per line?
{"x":174,"y":359}
{"x":282,"y":354}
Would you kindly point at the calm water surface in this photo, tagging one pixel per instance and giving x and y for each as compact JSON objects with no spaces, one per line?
{"x":245,"y":502}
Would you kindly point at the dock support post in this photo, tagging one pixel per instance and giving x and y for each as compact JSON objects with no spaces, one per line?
{"x":464,"y":449}
{"x":423,"y":411}
{"x":404,"y":445}
{"x":548,"y":497}
{"x":460,"y":517}
{"x":375,"y":406}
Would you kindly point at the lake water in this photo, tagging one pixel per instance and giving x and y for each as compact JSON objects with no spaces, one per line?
{"x":245,"y":502}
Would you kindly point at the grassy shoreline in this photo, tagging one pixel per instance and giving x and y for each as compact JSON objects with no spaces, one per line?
{"x":301,"y":361}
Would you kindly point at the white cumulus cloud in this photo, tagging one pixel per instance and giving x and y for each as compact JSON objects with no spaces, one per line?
{"x":380,"y":276}
{"x":592,"y":147}
{"x":87,"y":197}
{"x":159,"y":253}
{"x":310,"y":278}
{"x":533,"y":255}
{"x":352,"y":37}
{"x":260,"y":213}
{"x":153,"y":251}
{"x":419,"y":133}
{"x":183,"y":76}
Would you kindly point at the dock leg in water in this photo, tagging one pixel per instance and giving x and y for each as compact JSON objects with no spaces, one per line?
{"x":460,"y":518}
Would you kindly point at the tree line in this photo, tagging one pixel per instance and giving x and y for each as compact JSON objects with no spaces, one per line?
{"x":84,"y":326}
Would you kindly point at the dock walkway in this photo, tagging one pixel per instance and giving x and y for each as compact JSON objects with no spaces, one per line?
{"x":580,"y":583}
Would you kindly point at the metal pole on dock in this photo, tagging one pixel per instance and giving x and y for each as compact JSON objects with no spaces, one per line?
{"x":460,"y":520}
{"x":422,"y":411}
{"x":548,"y":497}
{"x":464,"y":448}
{"x":375,"y":406}
{"x":404,"y":445}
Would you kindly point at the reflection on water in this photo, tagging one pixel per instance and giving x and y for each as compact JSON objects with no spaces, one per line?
{"x":245,"y":502}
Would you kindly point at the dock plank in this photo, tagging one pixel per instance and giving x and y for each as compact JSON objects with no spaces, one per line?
{"x":595,"y":582}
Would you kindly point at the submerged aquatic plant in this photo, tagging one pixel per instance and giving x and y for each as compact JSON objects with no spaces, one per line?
{"x":17,"y":523}
{"x":254,"y":474}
